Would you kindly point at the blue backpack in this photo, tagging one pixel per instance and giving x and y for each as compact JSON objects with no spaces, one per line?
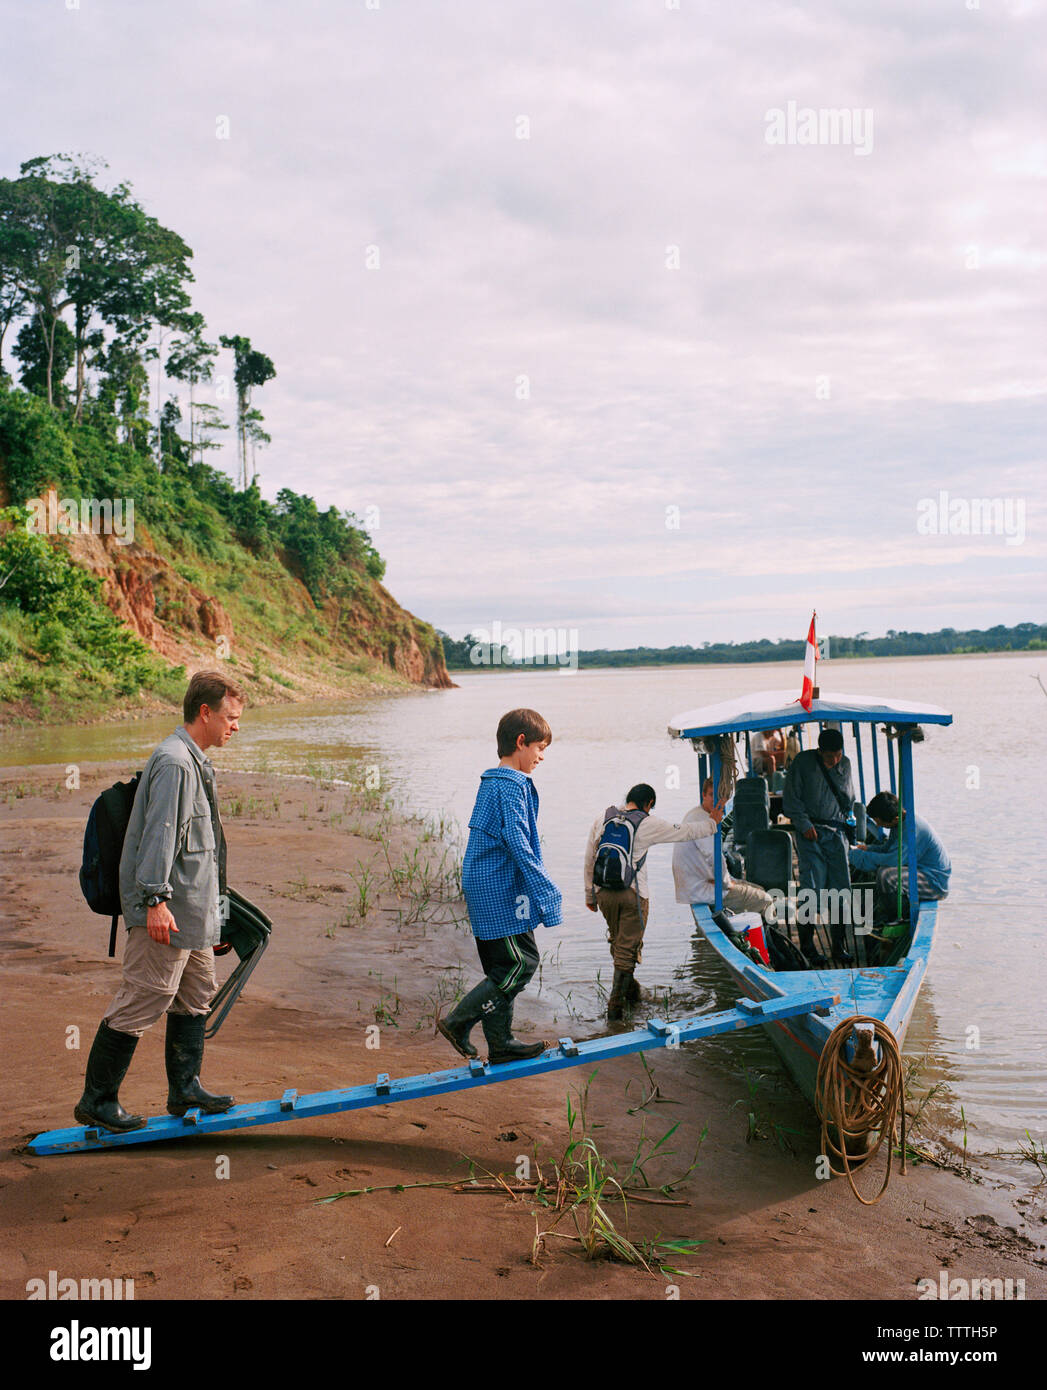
{"x":614,"y":867}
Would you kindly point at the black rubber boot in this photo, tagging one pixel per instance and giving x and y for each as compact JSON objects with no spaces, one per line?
{"x":815,"y":959}
{"x":466,"y":1014}
{"x":619,"y":996}
{"x":99,"y":1107}
{"x":184,"y":1055}
{"x":497,"y":1023}
{"x":841,"y":955}
{"x":632,"y":990}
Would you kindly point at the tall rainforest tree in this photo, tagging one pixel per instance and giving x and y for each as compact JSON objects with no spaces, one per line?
{"x":41,"y":353}
{"x":68,"y":245}
{"x":36,"y":230}
{"x":252,"y":369}
{"x":13,"y":301}
{"x":192,"y":360}
{"x":123,"y":391}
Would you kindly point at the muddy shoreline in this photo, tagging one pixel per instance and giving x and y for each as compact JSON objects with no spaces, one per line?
{"x":350,"y":987}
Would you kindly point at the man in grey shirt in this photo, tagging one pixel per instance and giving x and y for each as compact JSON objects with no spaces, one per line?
{"x":172,"y":875}
{"x":817,"y":786}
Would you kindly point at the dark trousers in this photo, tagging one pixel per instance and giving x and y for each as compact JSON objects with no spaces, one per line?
{"x":509,"y":961}
{"x":886,"y":906}
{"x":823,"y":864}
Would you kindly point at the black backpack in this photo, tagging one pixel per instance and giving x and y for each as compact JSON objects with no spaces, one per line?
{"x":614,"y":867}
{"x":784,"y":954}
{"x":103,"y":845}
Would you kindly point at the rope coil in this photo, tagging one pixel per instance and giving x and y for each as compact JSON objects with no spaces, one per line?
{"x":858,"y":1096}
{"x":724,"y":745}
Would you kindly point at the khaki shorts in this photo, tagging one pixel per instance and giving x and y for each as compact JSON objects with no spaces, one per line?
{"x":160,"y":979}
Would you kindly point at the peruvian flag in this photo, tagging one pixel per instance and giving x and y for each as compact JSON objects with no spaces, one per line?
{"x":810,"y":657}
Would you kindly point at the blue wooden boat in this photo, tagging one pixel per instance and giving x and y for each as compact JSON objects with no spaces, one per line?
{"x":885,"y":992}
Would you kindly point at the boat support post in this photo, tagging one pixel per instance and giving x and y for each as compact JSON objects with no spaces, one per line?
{"x":909,"y":819}
{"x":718,"y":841}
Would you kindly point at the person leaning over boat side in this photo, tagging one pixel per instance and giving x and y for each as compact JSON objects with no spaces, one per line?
{"x":817,"y":784}
{"x":694,"y":868}
{"x":625,"y":909}
{"x":172,"y":872}
{"x":932,"y":863}
{"x":507,"y":891}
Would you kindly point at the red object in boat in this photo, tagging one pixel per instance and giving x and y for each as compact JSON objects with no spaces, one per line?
{"x":754,"y":936}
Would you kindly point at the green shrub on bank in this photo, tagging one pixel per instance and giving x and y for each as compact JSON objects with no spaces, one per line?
{"x":57,"y":631}
{"x":233,"y":545}
{"x":191,"y":506}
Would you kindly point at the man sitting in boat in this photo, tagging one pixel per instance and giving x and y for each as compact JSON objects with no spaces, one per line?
{"x":693,"y":868}
{"x":768,"y":750}
{"x":818,"y":798}
{"x":932,"y":863}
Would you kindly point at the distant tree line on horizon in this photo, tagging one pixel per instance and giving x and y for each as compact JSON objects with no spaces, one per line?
{"x":471,"y":655}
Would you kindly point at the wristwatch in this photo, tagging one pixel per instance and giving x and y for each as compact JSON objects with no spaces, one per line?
{"x":155,"y":900}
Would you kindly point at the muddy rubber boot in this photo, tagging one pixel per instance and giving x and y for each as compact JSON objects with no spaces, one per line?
{"x":464,"y":1017}
{"x":184,"y":1055}
{"x":498,"y":1030}
{"x":632,"y":989}
{"x":99,"y":1107}
{"x":618,"y":997}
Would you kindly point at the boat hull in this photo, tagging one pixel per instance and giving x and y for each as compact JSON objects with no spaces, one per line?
{"x":887,"y":993}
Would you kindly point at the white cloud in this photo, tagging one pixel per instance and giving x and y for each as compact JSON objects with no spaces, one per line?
{"x":905,"y":285}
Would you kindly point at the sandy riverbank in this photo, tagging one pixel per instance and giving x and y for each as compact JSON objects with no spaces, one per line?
{"x":163,"y":1215}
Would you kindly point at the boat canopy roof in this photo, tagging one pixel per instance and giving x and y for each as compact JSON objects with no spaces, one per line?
{"x":773,"y":709}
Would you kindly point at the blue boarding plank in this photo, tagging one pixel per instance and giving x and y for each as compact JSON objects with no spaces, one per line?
{"x":293,"y":1106}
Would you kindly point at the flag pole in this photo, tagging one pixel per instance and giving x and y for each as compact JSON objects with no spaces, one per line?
{"x":809,"y":689}
{"x":814,"y":691}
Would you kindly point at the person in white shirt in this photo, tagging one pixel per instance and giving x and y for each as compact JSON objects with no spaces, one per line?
{"x":694,"y":865}
{"x":768,"y":750}
{"x":625,"y":909}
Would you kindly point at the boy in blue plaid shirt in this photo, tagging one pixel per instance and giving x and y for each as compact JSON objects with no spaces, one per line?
{"x":507,"y":890}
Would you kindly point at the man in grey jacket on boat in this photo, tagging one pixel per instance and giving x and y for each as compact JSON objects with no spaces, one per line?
{"x":172,"y":873}
{"x":817,"y":787}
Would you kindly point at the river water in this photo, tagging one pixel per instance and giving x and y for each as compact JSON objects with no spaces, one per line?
{"x":979,"y":1020}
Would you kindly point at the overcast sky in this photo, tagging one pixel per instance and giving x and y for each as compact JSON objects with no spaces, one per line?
{"x":637,"y":358}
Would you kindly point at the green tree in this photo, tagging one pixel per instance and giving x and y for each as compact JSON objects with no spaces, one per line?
{"x":37,"y":230}
{"x":252,"y":368}
{"x":124,"y":389}
{"x":207,"y":422}
{"x":172,"y":445}
{"x":255,"y":436}
{"x":13,"y":299}
{"x":41,"y":354}
{"x":192,"y":360}
{"x":68,"y":244}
